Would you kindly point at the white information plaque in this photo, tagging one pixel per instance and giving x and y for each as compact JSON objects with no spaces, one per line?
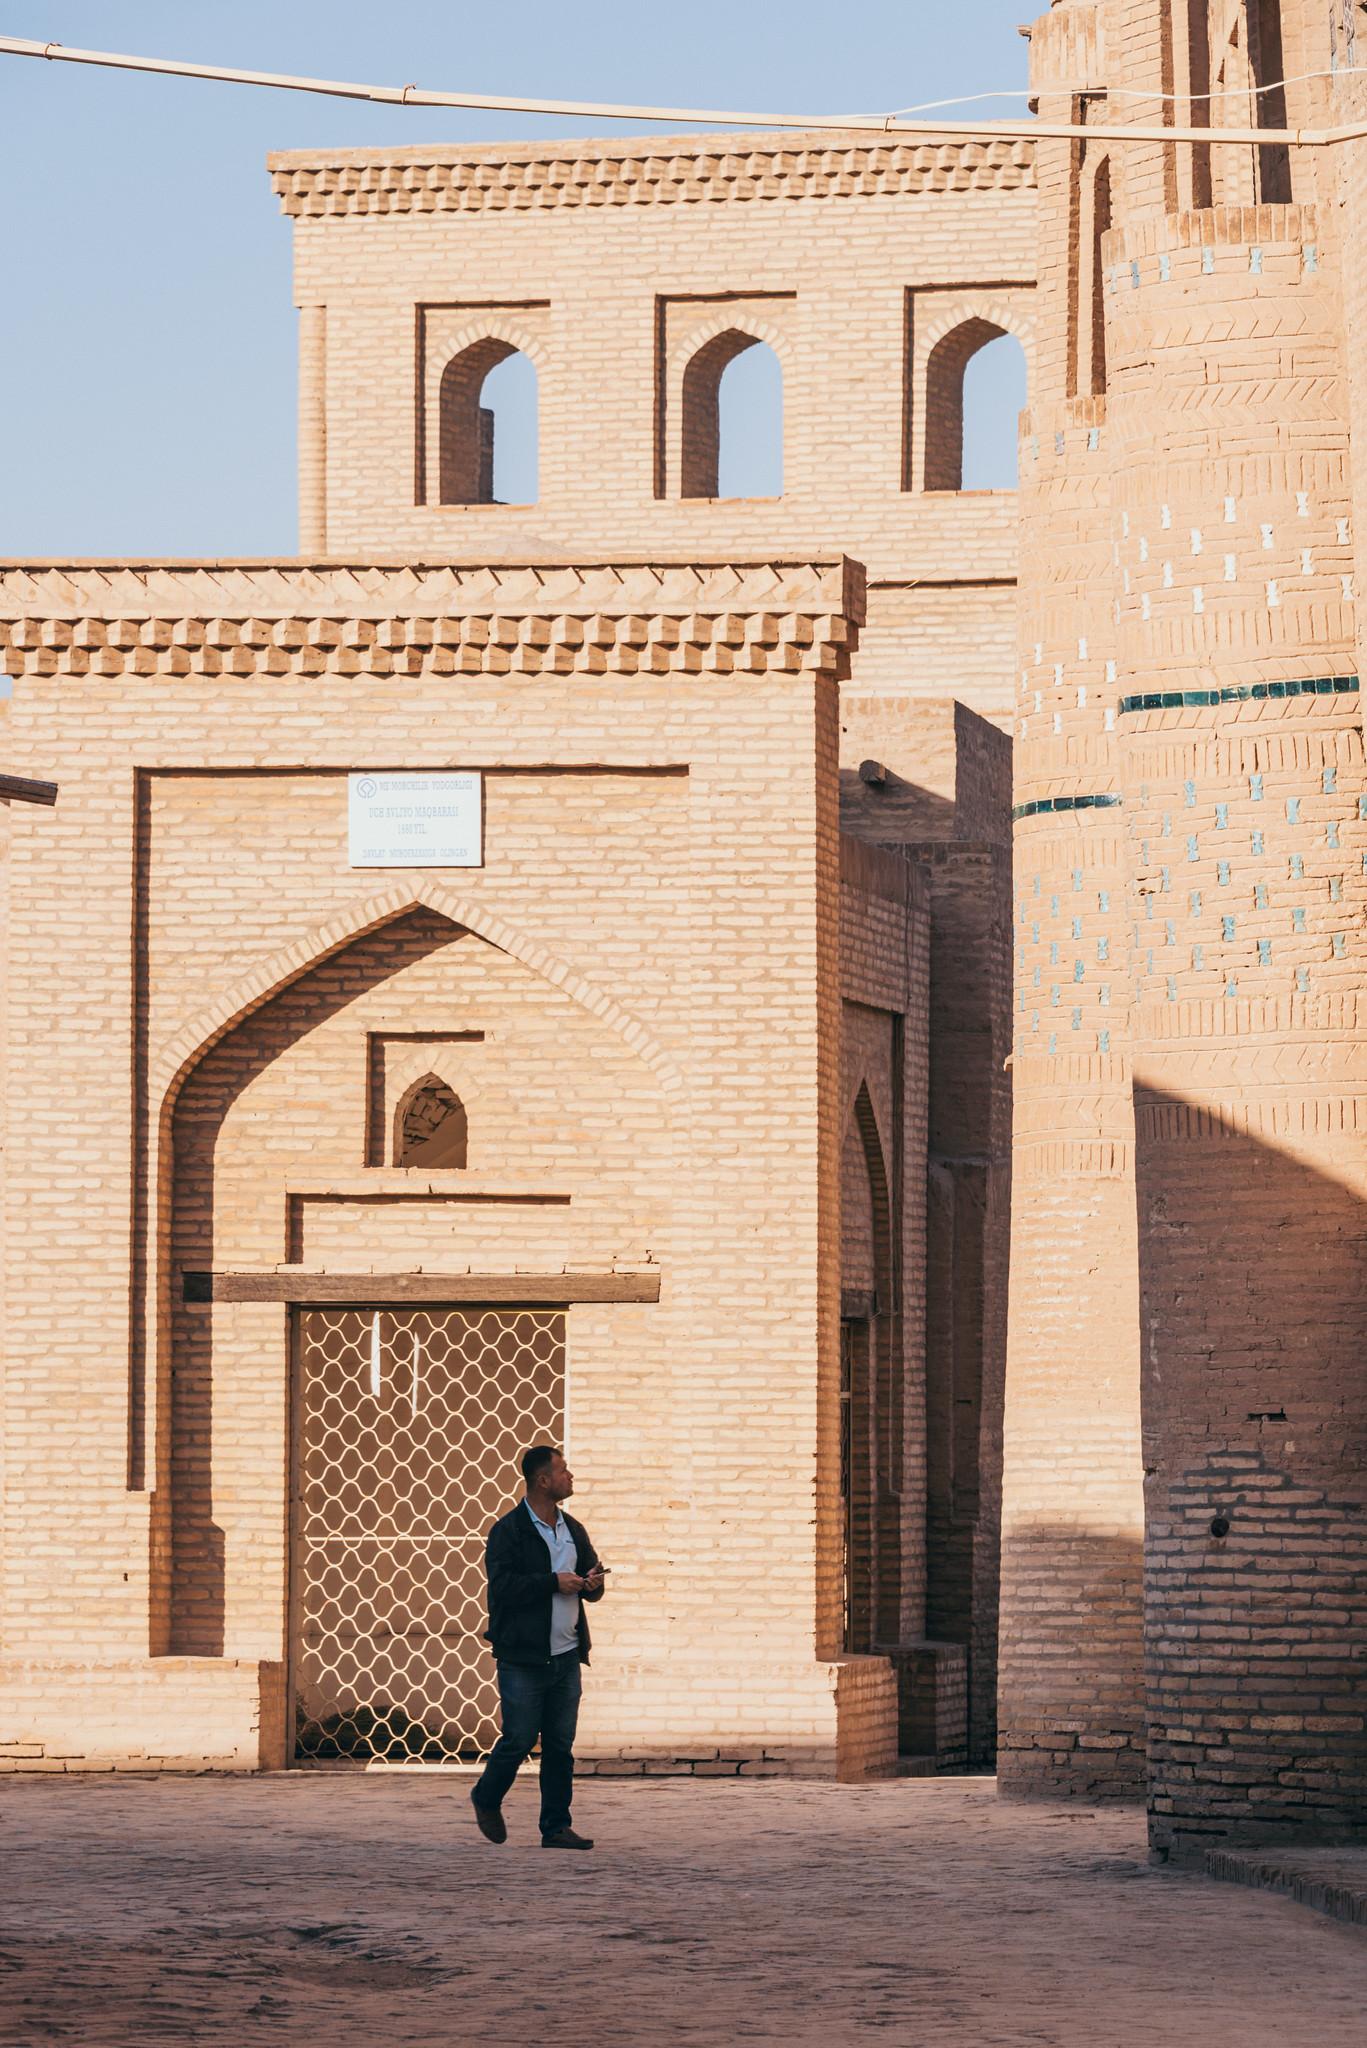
{"x":415,"y":821}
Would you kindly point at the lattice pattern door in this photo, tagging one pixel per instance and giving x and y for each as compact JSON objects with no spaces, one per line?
{"x":408,"y":1429}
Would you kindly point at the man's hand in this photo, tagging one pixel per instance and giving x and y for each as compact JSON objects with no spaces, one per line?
{"x":570,"y":1582}
{"x":593,"y":1580}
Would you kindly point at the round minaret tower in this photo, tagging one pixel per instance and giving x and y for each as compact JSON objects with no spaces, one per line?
{"x":1233,"y":757}
{"x":1071,"y":1651}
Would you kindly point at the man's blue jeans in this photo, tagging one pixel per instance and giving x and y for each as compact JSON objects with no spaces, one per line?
{"x":536,"y":1699}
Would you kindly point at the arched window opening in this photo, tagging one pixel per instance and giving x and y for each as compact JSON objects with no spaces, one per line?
{"x":430,"y":1127}
{"x":1247,"y":68}
{"x":1101,"y":225}
{"x":489,"y":451}
{"x":870,"y":1391}
{"x":975,"y":390}
{"x":732,"y":443}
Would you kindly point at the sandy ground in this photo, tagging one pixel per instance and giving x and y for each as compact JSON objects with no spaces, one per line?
{"x":341,"y":1910}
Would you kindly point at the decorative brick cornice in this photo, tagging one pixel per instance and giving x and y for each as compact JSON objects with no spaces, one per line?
{"x":667,"y":171}
{"x":559,"y":618}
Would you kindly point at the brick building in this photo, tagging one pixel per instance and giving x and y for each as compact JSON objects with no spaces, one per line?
{"x":672,"y":1115}
{"x":672,"y":1120}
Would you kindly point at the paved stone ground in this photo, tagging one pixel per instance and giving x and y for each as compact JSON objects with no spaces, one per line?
{"x":348,"y":1910}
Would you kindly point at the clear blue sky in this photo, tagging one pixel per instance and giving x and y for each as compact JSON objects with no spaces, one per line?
{"x":149,"y":332}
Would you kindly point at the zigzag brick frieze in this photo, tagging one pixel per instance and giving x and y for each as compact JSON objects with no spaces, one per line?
{"x":672,"y":173}
{"x":280,"y":619}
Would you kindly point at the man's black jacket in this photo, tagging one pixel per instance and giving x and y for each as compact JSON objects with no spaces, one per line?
{"x":521,"y":1583}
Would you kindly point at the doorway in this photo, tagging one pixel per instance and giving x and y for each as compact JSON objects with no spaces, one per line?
{"x":408,"y":1427}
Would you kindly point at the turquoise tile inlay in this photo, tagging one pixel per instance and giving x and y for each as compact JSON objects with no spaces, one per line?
{"x":1264,"y":952}
{"x":1104,"y":1042}
{"x":1102,"y":802}
{"x":1227,"y":925}
{"x":1221,"y":817}
{"x":1293,"y":810}
{"x":1257,"y":842}
{"x":1331,"y":834}
{"x":1339,"y":943}
{"x":1222,"y":871}
{"x":1297,"y":867}
{"x":1298,"y":920}
{"x":1330,"y":781}
{"x":1193,"y":848}
{"x":1260,"y":895}
{"x":1239,"y":693}
{"x":1255,"y":788}
{"x":1189,"y":795}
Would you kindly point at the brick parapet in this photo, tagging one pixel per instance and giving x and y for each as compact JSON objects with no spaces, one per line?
{"x":286,"y":619}
{"x":671,"y":170}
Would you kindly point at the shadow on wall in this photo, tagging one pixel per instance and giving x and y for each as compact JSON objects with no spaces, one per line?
{"x":1069,"y":1730}
{"x":196,"y":1601}
{"x":1253,"y":1294}
{"x":905,"y":810}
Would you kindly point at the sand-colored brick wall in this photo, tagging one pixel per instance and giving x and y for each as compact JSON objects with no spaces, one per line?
{"x":942,"y":800}
{"x":615,"y":268}
{"x":1190,"y":699}
{"x":226,"y":973}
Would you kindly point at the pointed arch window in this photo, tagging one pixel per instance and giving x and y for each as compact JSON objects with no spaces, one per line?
{"x":430,"y":1126}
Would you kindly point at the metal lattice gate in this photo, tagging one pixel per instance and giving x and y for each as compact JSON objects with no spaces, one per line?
{"x":408,"y":1429}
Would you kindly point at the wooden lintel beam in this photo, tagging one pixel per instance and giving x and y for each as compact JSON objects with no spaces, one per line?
{"x":17,"y":789}
{"x":380,"y":1290}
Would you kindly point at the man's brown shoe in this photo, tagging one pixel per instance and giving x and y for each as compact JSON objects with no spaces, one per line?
{"x":492,"y":1825}
{"x":565,"y":1838}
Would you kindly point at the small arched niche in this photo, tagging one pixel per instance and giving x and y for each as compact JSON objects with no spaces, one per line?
{"x":732,"y":420}
{"x":975,"y":392}
{"x":489,"y":427}
{"x":430,"y":1125}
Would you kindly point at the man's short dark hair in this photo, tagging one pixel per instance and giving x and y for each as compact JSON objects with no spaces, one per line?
{"x":533,"y":1460}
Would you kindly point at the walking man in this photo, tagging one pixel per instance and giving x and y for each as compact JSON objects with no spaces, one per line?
{"x":541,"y":1568}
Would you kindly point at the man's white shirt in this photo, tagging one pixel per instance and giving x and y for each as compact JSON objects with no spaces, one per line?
{"x":564,"y":1606}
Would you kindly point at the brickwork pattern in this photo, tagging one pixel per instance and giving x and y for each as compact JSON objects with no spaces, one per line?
{"x":624,"y":274}
{"x":1214,"y":643}
{"x":240,"y":973}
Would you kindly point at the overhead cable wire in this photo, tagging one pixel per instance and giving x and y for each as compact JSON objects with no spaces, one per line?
{"x":1125,"y":92}
{"x":1027,"y":130}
